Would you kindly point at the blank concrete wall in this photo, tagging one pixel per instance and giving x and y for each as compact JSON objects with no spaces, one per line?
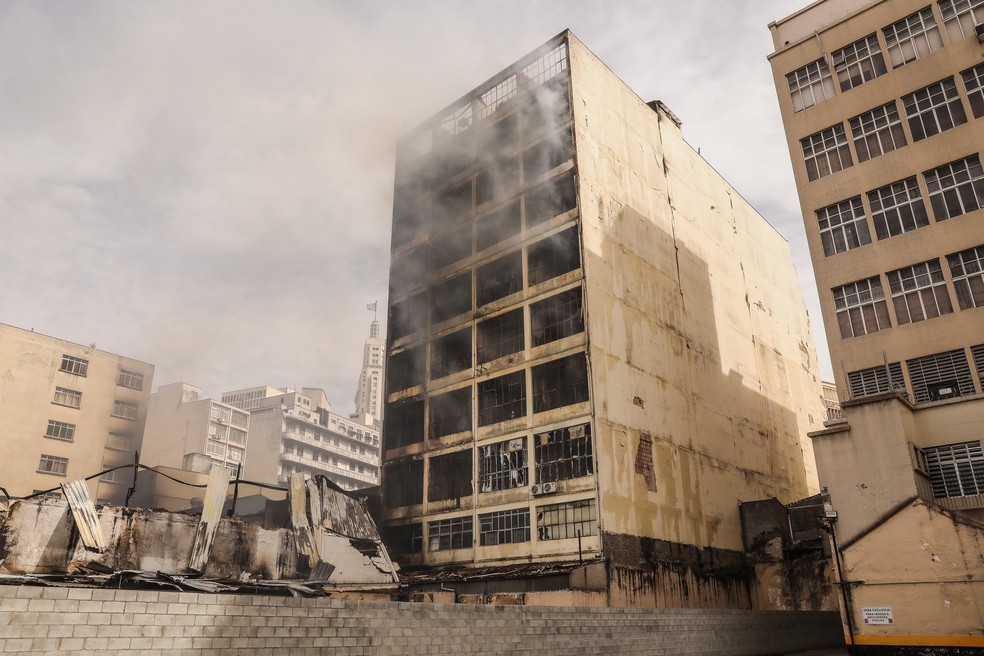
{"x":53,"y":620}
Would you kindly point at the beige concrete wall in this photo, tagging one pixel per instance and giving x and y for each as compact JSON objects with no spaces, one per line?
{"x":700,"y":345}
{"x":926,"y":565}
{"x":263,"y":455}
{"x":28,"y":380}
{"x":175,"y":426}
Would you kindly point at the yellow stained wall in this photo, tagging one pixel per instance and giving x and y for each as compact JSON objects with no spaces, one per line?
{"x":699,"y":341}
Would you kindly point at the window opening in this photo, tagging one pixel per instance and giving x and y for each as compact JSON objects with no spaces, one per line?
{"x":557,"y":317}
{"x":410,"y":268}
{"x":404,"y":540}
{"x":877,"y":132}
{"x":405,"y":369}
{"x":550,"y":199}
{"x":451,"y":247}
{"x":563,"y":454}
{"x":498,"y":226}
{"x":450,"y":413}
{"x":554,"y":256}
{"x":859,"y":62}
{"x":502,"y":466}
{"x":502,"y":398}
{"x":451,"y":353}
{"x":560,"y":382}
{"x":843,"y":226}
{"x":956,"y":188}
{"x":861,"y":308}
{"x":967,"y":271}
{"x":499,"y":278}
{"x":826,"y":152}
{"x":408,"y":316}
{"x":408,"y":223}
{"x":449,"y":534}
{"x":504,"y":527}
{"x":498,"y":180}
{"x":452,"y":205}
{"x":548,"y":154}
{"x":934,"y":109}
{"x":404,"y":424}
{"x":451,"y":297}
{"x":561,"y":521}
{"x":500,"y":336}
{"x":897,"y":208}
{"x":403,"y":483}
{"x":450,"y":476}
{"x":919,"y":292}
{"x":955,"y":470}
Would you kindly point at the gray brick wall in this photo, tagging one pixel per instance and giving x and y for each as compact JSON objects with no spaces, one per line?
{"x":53,"y":620}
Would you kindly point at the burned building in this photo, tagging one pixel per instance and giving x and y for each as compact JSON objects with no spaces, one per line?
{"x":596,"y":347}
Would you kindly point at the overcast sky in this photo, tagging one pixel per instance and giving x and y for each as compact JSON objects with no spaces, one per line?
{"x":207,"y":186}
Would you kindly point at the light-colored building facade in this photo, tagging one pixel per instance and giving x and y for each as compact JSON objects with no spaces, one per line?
{"x":68,"y":411}
{"x":294,"y":432}
{"x":882,"y":104}
{"x":596,"y":348}
{"x":369,"y":396}
{"x":181,"y":423}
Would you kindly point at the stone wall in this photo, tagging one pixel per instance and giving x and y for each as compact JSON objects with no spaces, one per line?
{"x":59,"y":620}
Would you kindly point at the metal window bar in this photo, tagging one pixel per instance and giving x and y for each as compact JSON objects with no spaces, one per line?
{"x":500,"y":336}
{"x":450,"y":413}
{"x":563,"y":454}
{"x":560,"y":383}
{"x":557,"y":317}
{"x":502,"y":398}
{"x":505,"y":527}
{"x":566,"y":520}
{"x":949,"y":369}
{"x":502,"y":466}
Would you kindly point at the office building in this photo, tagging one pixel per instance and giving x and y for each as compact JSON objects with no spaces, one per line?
{"x":68,"y":411}
{"x":596,"y":348}
{"x":882,"y":105}
{"x":369,"y":396}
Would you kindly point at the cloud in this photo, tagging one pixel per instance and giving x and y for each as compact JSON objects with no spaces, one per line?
{"x":208,"y":186}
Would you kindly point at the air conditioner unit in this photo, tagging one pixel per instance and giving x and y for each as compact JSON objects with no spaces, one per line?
{"x":549,"y":488}
{"x":536,"y":490}
{"x":980,"y":32}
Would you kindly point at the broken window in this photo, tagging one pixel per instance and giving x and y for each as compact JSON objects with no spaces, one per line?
{"x":410,"y":268}
{"x":502,"y":466}
{"x":502,"y":398}
{"x":566,"y":520}
{"x":500,"y":336}
{"x":408,"y":316}
{"x":499,"y":135}
{"x":940,"y":376}
{"x":563,"y":454}
{"x":408,"y":224}
{"x":452,"y":205}
{"x":451,"y":297}
{"x":451,"y":353}
{"x":560,"y":382}
{"x":498,"y":226}
{"x":403,"y":483}
{"x":547,"y":154}
{"x":404,"y":424}
{"x":498,"y":180}
{"x":450,"y":413}
{"x":404,"y":540}
{"x":449,"y":534}
{"x":550,"y":199}
{"x":451,"y":247}
{"x":500,"y":278}
{"x":546,"y":104}
{"x":505,"y":527}
{"x":553,"y":256}
{"x":450,"y":476}
{"x":405,"y":369}
{"x":557,"y":317}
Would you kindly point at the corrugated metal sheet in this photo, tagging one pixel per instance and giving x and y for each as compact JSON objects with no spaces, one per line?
{"x":84,"y":512}
{"x":298,"y":494}
{"x":215,"y":494}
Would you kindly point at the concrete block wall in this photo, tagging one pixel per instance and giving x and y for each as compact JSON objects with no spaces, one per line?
{"x":60,"y":620}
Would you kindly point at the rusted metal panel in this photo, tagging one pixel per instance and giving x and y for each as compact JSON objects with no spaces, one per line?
{"x":215,"y":494}
{"x":84,"y":512}
{"x":298,"y":494}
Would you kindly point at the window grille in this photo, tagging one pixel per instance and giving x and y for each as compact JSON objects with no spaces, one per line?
{"x":940,"y":376}
{"x":875,"y":380}
{"x":502,"y":466}
{"x":502,"y":398}
{"x":956,"y":470}
{"x":560,"y":382}
{"x":557,"y":317}
{"x":500,"y":336}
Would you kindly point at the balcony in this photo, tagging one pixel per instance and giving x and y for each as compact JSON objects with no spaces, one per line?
{"x":340,"y":451}
{"x":321,"y":466}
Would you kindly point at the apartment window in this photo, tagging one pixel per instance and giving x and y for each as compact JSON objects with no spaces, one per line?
{"x":60,"y":430}
{"x":877,"y":132}
{"x":843,"y":226}
{"x":500,"y":336}
{"x":810,"y":85}
{"x":451,"y":297}
{"x":960,"y":17}
{"x":934,"y":109}
{"x":563,"y":454}
{"x":236,"y":455}
{"x":239,"y":419}
{"x":502,"y":398}
{"x":955,"y":470}
{"x":449,"y":534}
{"x":119,"y":442}
{"x":403,"y":483}
{"x":956,"y":188}
{"x":220,"y":414}
{"x":913,"y":37}
{"x":451,"y":247}
{"x":557,"y":317}
{"x":502,"y":466}
{"x":875,"y":380}
{"x":861,"y":308}
{"x":404,"y":424}
{"x":53,"y":465}
{"x":550,"y":199}
{"x":505,"y":527}
{"x":65,"y":396}
{"x":73,"y":365}
{"x":974,"y":81}
{"x":919,"y":292}
{"x":967,"y":271}
{"x":498,"y":226}
{"x":553,"y":256}
{"x":125,"y":410}
{"x":450,"y":413}
{"x":499,"y":278}
{"x":826,"y":152}
{"x":859,"y":62}
{"x":218,"y":449}
{"x":561,"y":521}
{"x":451,"y":353}
{"x":405,"y":369}
{"x":897,"y":208}
{"x":130,"y":379}
{"x":560,"y":382}
{"x":113,"y":475}
{"x":940,"y":376}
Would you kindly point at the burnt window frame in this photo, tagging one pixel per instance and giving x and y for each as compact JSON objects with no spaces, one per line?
{"x":405,"y":369}
{"x":403,"y":323}
{"x":404,"y":424}
{"x":565,"y":313}
{"x":563,"y":454}
{"x":502,"y":467}
{"x":443,"y":290}
{"x":402,"y":495}
{"x":537,"y":258}
{"x":498,"y":225}
{"x":555,"y":149}
{"x":551,"y":381}
{"x":510,"y":323}
{"x":562,"y":521}
{"x":439,"y":413}
{"x":451,"y":354}
{"x":499,"y":278}
{"x":451,"y":484}
{"x":550,"y":199}
{"x":497,"y":180}
{"x":512,"y":387}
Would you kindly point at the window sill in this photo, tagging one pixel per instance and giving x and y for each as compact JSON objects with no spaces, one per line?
{"x":50,"y":473}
